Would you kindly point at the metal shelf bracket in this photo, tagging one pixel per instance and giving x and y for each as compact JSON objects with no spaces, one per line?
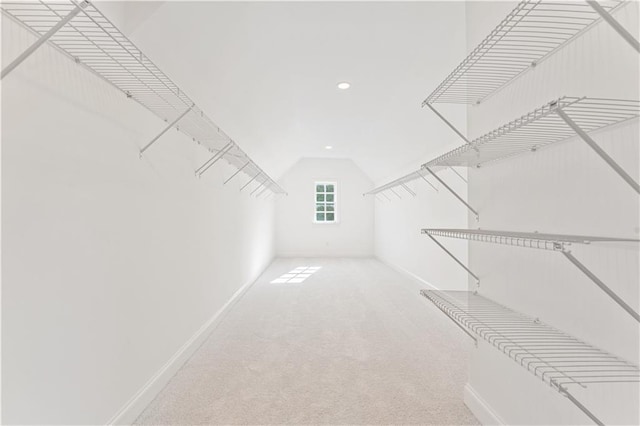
{"x":564,"y":392}
{"x":606,"y":16}
{"x":600,"y":284}
{"x":406,"y":188}
{"x":397,"y":195}
{"x":458,"y":174}
{"x":211,"y":161}
{"x":589,"y":141}
{"x":258,"y":187}
{"x":236,"y":172}
{"x":458,"y":261}
{"x":453,"y":192}
{"x":430,"y":184}
{"x":251,"y":180}
{"x":447,"y":122}
{"x":166,"y":129}
{"x":262,"y":191}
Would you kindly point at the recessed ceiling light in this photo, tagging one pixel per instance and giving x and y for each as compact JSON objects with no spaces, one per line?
{"x":328,"y":147}
{"x":344,"y":85}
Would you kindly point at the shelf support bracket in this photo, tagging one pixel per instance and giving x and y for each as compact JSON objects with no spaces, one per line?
{"x":459,"y":175}
{"x":589,"y":141}
{"x":447,"y":123}
{"x":453,"y":257}
{"x":397,"y":195}
{"x":263,"y":189}
{"x":602,"y":285}
{"x":408,"y":189}
{"x":236,"y":172}
{"x":252,"y":179}
{"x":425,"y":179}
{"x":606,"y":16}
{"x":582,"y":408}
{"x":43,"y":39}
{"x":258,"y":187}
{"x":166,"y":129}
{"x":211,"y":161}
{"x":453,"y":192}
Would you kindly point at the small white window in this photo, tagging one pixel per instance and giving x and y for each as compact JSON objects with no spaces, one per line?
{"x":326,"y":202}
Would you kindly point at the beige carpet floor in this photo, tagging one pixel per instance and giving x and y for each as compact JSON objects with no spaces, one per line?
{"x":354,"y":343}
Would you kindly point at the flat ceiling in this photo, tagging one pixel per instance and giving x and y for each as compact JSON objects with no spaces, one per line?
{"x":266,"y":73}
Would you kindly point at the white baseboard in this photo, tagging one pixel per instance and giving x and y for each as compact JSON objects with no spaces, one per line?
{"x":409,"y":273}
{"x":136,"y":405}
{"x":479,"y":407}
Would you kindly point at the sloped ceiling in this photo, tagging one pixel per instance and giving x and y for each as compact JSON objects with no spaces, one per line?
{"x":266,"y":73}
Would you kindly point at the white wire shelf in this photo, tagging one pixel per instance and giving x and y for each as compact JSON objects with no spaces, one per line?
{"x":533,"y":31}
{"x":554,"y":122}
{"x":540,"y":128}
{"x":402,"y":183}
{"x":82,"y":32}
{"x":553,"y":242}
{"x":570,"y":366}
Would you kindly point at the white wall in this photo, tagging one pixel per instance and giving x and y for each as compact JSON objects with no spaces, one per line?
{"x":296,"y":233}
{"x":398,"y":240}
{"x":111,"y":263}
{"x":566,"y":189}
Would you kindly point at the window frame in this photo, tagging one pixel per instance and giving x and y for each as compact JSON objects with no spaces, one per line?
{"x":335,"y":202}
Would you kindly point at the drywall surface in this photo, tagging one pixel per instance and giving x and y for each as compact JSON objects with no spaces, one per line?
{"x":110,"y":262}
{"x":567,"y":189}
{"x":296,"y":233}
{"x":401,"y":216}
{"x":269,"y":71}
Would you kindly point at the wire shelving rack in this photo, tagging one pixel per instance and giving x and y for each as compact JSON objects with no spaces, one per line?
{"x":552,"y":242}
{"x":81,"y":31}
{"x":402,"y":182}
{"x":540,"y":127}
{"x":554,"y":122}
{"x":570,"y":366}
{"x":532,"y":32}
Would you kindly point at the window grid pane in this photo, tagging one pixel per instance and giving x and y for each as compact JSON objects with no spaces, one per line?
{"x":325,"y":202}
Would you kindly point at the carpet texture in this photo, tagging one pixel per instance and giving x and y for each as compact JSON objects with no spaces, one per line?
{"x":354,"y":343}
